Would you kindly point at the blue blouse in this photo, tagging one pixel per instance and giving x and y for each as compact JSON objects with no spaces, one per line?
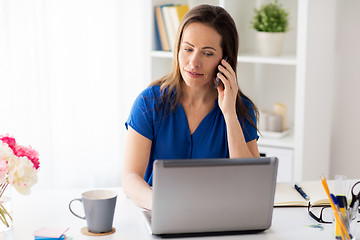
{"x":170,"y":134}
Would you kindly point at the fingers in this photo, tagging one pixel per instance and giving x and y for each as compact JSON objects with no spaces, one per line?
{"x":224,"y":80}
{"x":229,"y":80}
{"x":228,"y":67}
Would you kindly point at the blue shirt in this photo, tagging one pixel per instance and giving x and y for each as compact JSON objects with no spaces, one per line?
{"x":170,"y":134}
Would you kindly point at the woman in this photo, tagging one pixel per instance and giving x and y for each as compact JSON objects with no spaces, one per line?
{"x":182,"y":115}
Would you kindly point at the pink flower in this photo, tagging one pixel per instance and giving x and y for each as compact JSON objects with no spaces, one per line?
{"x":31,"y":154}
{"x":10,"y":141}
{"x":22,"y":151}
{"x":18,"y":164}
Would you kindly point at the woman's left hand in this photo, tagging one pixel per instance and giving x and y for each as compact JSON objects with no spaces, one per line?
{"x":227,"y":91}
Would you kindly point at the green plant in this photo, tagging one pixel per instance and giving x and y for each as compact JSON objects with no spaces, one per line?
{"x":271,"y":17}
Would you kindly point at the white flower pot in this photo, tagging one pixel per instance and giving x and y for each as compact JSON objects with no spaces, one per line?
{"x":269,"y":43}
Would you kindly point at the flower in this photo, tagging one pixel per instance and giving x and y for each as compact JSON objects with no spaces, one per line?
{"x":5,"y":151}
{"x":22,"y":174}
{"x":10,"y":141}
{"x":18,"y":164}
{"x":28,"y":152}
{"x":3,"y":168}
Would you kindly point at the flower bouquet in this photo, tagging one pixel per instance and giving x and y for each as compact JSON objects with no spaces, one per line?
{"x":18,"y":167}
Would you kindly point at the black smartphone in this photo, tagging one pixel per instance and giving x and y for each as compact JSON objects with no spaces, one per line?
{"x":217,"y":78}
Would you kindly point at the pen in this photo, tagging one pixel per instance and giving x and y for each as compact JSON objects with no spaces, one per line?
{"x":302,"y":193}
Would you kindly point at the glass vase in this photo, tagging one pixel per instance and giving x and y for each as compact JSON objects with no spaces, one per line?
{"x":6,"y":221}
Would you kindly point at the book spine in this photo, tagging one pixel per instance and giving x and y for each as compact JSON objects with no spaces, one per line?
{"x":169,"y":26}
{"x":161,"y":29}
{"x":174,"y":22}
{"x":181,"y":11}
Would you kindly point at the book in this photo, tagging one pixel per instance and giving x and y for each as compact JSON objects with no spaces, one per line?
{"x":174,"y":21}
{"x":161,"y":29}
{"x":169,"y":26}
{"x":168,"y":17}
{"x":181,"y":11}
{"x":177,"y":12}
{"x":50,"y":233}
{"x":62,"y":237}
{"x":287,"y":196}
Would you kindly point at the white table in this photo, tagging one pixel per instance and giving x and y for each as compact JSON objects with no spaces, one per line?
{"x":50,"y":208}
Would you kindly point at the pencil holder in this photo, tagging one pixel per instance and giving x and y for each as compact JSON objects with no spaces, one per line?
{"x":341,"y":203}
{"x":352,"y":228}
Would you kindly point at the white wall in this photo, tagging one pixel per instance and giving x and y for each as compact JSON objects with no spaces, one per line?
{"x":69,"y":73}
{"x":346,"y":120}
{"x":70,"y":70}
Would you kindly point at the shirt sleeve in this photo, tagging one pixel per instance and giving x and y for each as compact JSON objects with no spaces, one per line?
{"x":142,"y":115}
{"x":250,"y":132}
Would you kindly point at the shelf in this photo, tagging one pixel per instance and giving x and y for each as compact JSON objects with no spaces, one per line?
{"x":161,"y":54}
{"x":245,"y":58}
{"x":284,"y":142}
{"x":280,"y":60}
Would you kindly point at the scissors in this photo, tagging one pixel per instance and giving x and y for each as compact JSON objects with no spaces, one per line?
{"x":355,"y":199}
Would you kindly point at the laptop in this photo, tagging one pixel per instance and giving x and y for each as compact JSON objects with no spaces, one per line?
{"x":212,"y":196}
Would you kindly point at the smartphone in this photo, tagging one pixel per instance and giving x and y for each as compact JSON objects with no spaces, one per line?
{"x":217,"y":80}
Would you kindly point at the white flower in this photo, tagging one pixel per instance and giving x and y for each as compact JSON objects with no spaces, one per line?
{"x":22,"y":174}
{"x":5,"y":151}
{"x":3,"y":169}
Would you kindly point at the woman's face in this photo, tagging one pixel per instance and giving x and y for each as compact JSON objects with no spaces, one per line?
{"x":199,"y":55}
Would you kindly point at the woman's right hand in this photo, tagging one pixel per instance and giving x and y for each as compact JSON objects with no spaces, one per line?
{"x":227,"y":92}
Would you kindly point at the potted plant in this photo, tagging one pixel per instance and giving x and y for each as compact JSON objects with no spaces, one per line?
{"x":271,"y":21}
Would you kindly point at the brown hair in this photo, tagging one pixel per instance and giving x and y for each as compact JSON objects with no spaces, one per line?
{"x":219,"y":19}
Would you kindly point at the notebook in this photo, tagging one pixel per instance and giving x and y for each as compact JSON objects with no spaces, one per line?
{"x":212,"y":196}
{"x":287,"y":196}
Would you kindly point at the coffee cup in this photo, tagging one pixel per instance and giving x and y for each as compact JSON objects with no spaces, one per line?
{"x":99,"y":208}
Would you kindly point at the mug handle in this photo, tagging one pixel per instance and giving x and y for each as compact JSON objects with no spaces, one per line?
{"x":76,"y":199}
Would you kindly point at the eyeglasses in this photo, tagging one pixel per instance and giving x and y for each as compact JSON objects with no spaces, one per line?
{"x":322,"y":213}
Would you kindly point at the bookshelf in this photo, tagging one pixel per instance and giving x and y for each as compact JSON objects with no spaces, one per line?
{"x":296,"y":78}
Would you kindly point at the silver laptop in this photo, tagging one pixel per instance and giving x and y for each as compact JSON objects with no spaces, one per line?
{"x":216,"y":196}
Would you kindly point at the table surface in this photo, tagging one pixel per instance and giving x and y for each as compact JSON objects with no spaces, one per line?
{"x":50,"y":208}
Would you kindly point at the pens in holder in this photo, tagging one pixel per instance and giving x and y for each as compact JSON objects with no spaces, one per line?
{"x":340,"y":208}
{"x":337,"y":214}
{"x":342,"y":203}
{"x":302,"y":193}
{"x":353,"y":210}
